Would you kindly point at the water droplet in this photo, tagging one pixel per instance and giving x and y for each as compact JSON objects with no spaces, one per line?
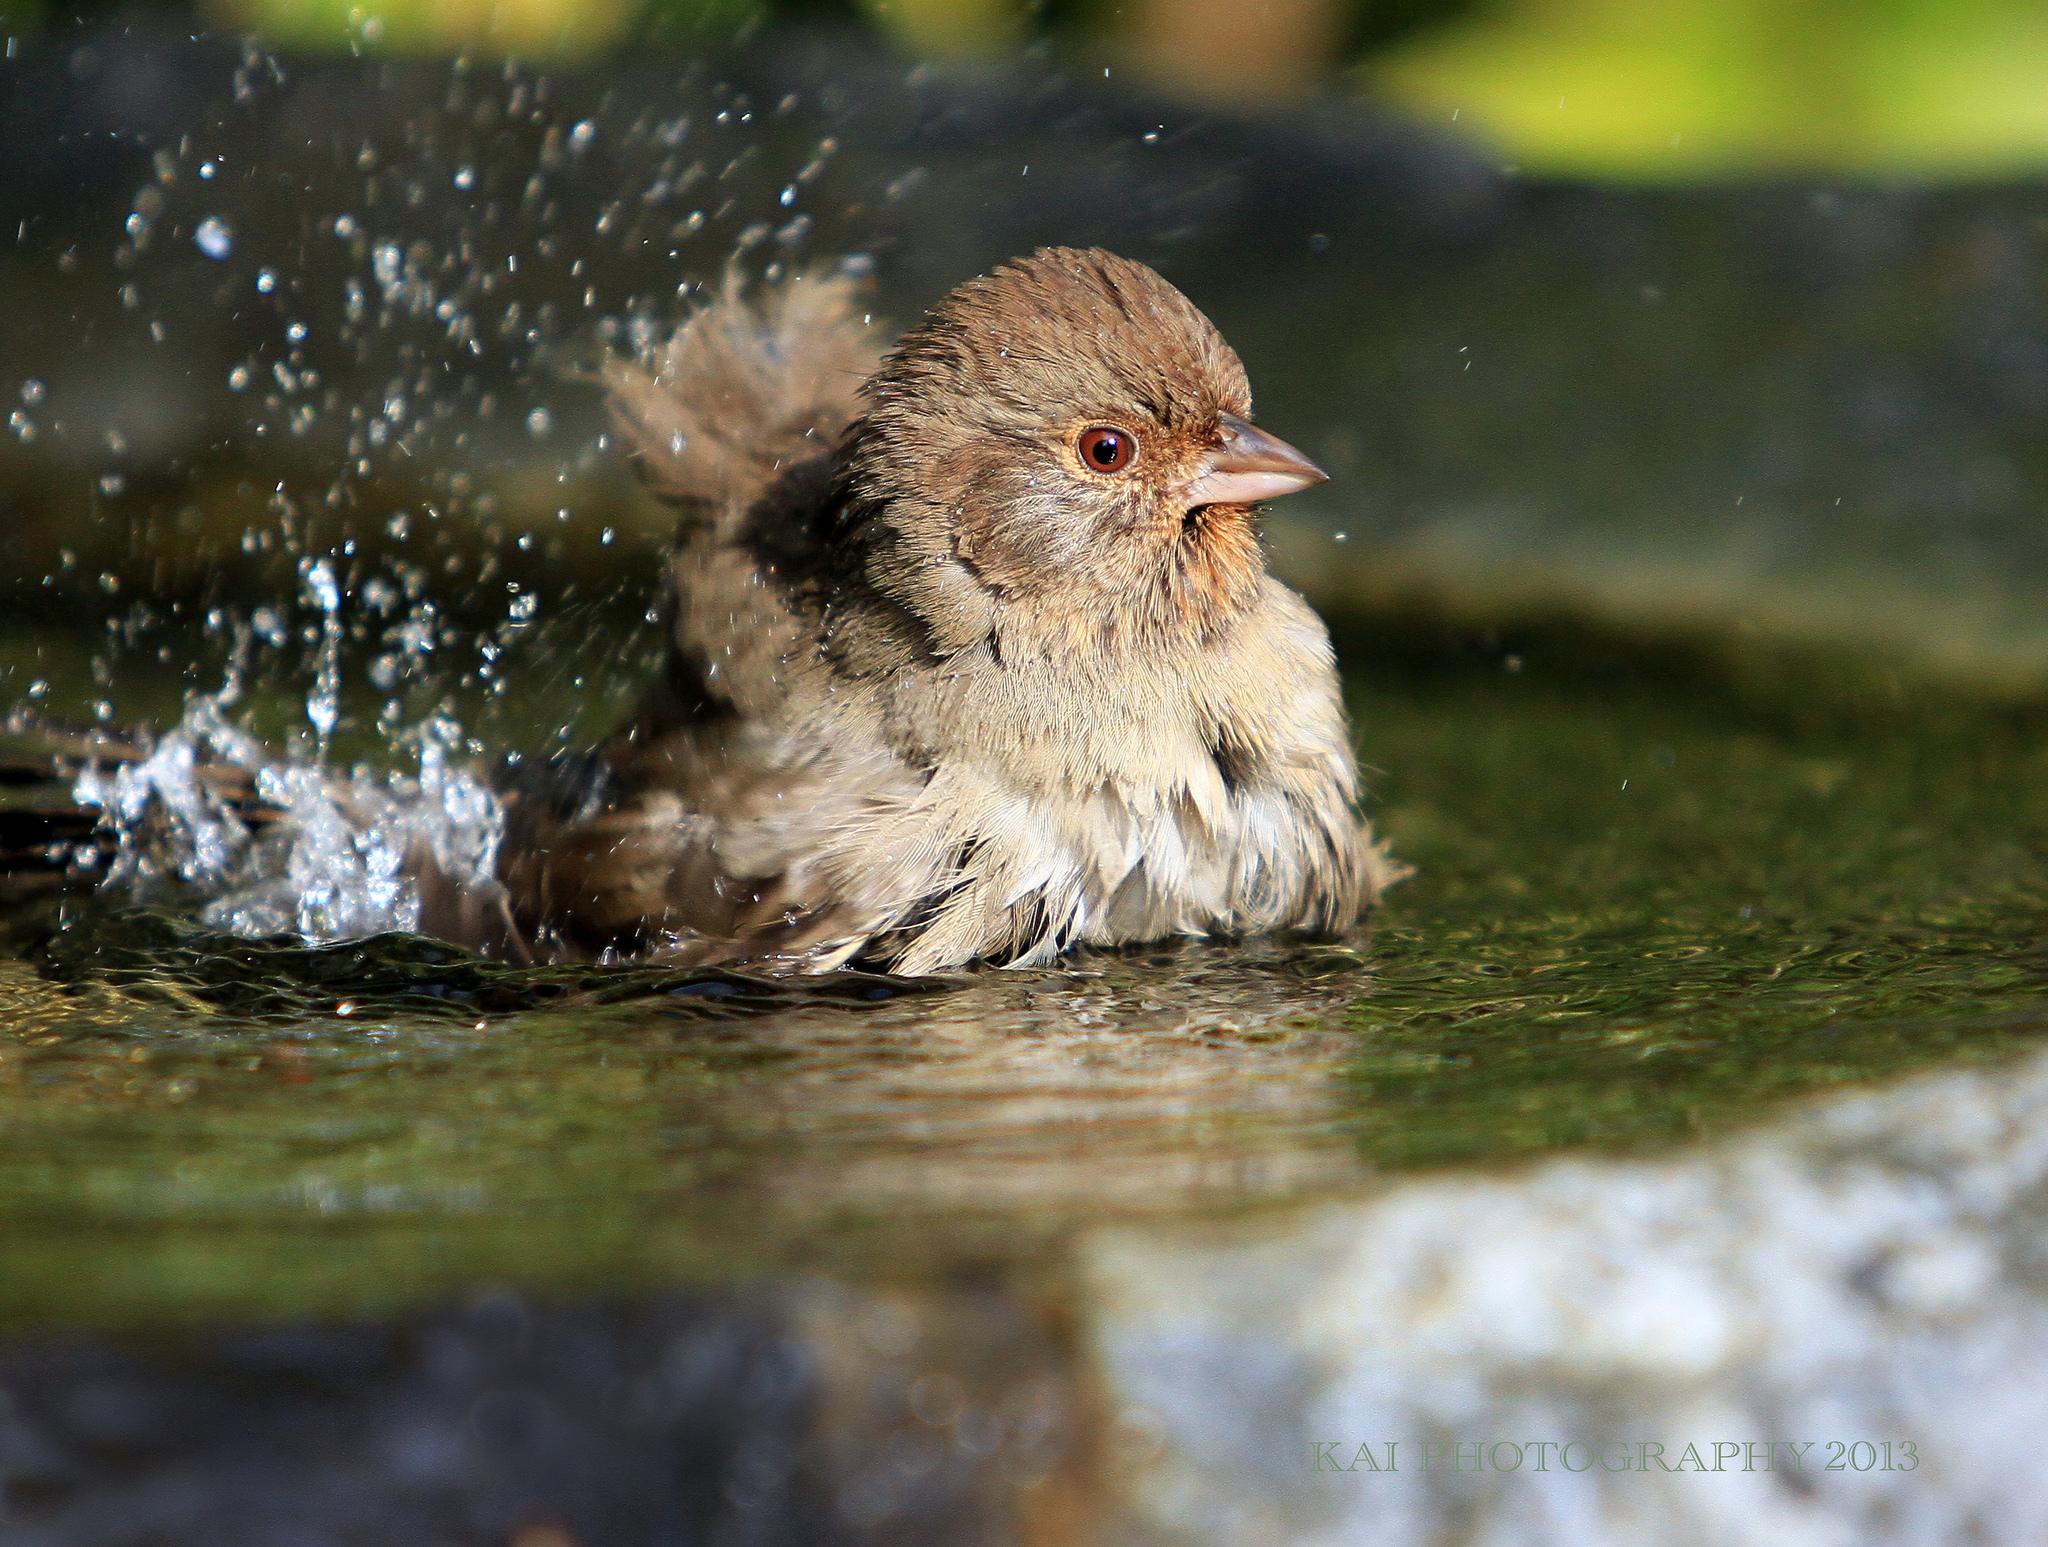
{"x":581,"y":136}
{"x":214,"y":237}
{"x":267,"y":281}
{"x":238,"y":379}
{"x":466,"y":179}
{"x":320,"y":585}
{"x":344,"y":226}
{"x":323,"y":704}
{"x":539,"y":423}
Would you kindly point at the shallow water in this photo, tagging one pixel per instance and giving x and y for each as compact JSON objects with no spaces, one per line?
{"x":1660,"y":887}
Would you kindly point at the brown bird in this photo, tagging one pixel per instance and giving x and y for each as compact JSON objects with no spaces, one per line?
{"x":973,"y":653}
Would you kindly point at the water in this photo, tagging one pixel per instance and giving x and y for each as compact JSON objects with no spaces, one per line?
{"x":1818,"y":874}
{"x":325,"y":856}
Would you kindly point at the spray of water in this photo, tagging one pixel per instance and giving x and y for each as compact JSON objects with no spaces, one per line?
{"x":294,"y":846}
{"x":411,"y":290}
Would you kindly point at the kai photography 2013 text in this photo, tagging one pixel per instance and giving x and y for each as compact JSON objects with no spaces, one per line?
{"x":1614,"y":1456}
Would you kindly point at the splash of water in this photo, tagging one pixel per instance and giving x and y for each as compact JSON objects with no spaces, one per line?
{"x":294,"y":847}
{"x":412,"y":290}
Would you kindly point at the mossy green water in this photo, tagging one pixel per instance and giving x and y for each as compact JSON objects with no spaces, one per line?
{"x":1663,"y":885}
{"x":1660,"y":889}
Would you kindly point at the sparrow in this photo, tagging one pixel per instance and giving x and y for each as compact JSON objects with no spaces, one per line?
{"x":972,"y":654}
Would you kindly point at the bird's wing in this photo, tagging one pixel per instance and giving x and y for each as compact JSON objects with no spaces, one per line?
{"x":702,"y":839}
{"x":698,"y":850}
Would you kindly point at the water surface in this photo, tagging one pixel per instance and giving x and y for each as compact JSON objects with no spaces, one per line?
{"x":1661,"y":886}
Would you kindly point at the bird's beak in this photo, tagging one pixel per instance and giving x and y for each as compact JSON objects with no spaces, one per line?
{"x":1247,"y":466}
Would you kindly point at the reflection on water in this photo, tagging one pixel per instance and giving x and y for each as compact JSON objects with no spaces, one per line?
{"x":621,"y":1126}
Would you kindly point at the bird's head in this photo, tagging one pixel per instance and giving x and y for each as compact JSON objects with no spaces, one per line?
{"x":1068,"y":437}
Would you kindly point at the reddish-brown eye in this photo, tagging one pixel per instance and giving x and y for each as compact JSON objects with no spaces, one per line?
{"x":1104,"y":449}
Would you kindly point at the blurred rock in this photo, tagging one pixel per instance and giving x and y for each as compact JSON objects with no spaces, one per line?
{"x":1868,"y":1272}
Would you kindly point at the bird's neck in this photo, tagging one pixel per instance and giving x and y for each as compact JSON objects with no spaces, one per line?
{"x":1195,"y":595}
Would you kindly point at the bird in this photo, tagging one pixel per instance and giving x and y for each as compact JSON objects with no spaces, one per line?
{"x":972,"y":651}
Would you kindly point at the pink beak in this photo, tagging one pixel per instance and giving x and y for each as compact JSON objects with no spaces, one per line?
{"x":1247,"y":466}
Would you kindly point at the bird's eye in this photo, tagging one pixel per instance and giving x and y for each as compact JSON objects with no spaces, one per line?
{"x":1104,"y":449}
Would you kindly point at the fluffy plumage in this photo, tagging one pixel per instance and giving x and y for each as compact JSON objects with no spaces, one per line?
{"x":938,"y":688}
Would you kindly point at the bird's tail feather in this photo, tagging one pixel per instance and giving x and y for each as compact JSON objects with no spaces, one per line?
{"x":747,"y":386}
